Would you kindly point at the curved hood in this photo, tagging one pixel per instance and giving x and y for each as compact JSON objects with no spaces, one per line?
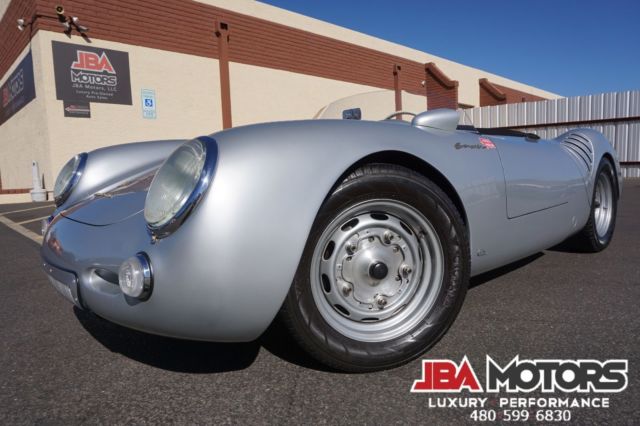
{"x":106,"y":208}
{"x":108,"y":167}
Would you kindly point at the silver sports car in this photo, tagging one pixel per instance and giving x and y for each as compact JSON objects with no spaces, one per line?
{"x":360,"y":236}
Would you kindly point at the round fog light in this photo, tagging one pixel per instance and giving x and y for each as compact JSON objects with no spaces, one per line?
{"x":135,"y":278}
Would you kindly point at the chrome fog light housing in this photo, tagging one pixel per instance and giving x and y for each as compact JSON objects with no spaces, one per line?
{"x":179,"y":185}
{"x":44,"y":225}
{"x":68,"y":178}
{"x":135,"y":277}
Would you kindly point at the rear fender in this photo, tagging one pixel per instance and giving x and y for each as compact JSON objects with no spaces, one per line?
{"x":601,"y":148}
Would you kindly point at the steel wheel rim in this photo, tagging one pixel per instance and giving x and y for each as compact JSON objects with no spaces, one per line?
{"x":373,"y":232}
{"x":603,"y":205}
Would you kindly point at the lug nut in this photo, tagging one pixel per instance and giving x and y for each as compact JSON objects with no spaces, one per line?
{"x":347,"y":288}
{"x":352,"y":247}
{"x":381,"y":301}
{"x":406,"y":269}
{"x":387,"y":237}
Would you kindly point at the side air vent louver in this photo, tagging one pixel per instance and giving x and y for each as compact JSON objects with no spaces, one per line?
{"x":581,"y":148}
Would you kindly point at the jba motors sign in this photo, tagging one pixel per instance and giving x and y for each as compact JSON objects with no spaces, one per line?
{"x":537,"y":390}
{"x":526,"y":375}
{"x":89,"y":74}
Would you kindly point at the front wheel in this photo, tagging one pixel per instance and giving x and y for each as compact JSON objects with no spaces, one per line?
{"x":384,"y":272}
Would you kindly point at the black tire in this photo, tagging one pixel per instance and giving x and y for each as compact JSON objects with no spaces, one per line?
{"x":588,"y":240}
{"x":301,"y":315}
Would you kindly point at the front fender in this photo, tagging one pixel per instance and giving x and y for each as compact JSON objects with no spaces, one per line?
{"x":108,"y":167}
{"x":269,"y":184}
{"x":223,"y":275}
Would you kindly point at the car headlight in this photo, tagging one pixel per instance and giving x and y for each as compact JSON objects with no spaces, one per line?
{"x":68,"y":178}
{"x":179,"y":185}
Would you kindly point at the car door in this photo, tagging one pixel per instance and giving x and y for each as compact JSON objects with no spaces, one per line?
{"x":537,"y":174}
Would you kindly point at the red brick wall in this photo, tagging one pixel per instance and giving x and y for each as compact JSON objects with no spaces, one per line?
{"x":441,"y":91}
{"x":495,"y":94}
{"x":187,"y":26}
{"x":12,"y":41}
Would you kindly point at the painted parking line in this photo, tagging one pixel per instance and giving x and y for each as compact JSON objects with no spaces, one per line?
{"x":31,"y":220}
{"x":21,"y":229}
{"x":48,"y":206}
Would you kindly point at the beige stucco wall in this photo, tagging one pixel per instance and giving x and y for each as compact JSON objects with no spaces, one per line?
{"x":4,"y":4}
{"x":187,"y":96}
{"x":24,"y":137}
{"x":188,"y":99}
{"x":262,"y":94}
{"x":468,"y":77}
{"x":187,"y":91}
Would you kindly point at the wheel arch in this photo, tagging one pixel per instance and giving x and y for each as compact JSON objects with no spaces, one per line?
{"x":416,"y":164}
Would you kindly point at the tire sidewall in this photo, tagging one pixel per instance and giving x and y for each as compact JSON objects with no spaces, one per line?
{"x":425,"y":197}
{"x":605,"y":166}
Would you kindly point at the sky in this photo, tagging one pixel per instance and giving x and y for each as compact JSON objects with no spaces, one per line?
{"x":569,"y":47}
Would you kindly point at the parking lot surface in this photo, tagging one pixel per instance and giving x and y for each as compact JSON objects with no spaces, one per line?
{"x":60,"y":365}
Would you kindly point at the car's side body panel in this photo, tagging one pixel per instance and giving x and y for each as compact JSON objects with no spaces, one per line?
{"x":224,"y":273}
{"x":538,"y":174}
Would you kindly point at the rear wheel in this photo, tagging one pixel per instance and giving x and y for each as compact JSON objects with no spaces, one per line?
{"x":597,"y":233}
{"x":384,"y":272}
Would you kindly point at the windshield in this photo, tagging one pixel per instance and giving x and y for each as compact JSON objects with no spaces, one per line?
{"x":380,"y":105}
{"x":376,"y":105}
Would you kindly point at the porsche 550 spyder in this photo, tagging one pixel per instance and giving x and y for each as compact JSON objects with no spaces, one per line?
{"x":360,"y":235}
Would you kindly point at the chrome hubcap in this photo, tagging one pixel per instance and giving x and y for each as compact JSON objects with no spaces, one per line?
{"x":376,"y":270}
{"x":603,"y":204}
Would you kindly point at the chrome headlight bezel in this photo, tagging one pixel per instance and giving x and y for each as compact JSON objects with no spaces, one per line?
{"x":75,"y":175}
{"x":167,"y":227}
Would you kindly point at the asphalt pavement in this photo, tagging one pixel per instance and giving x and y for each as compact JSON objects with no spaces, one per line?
{"x":59,"y":365}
